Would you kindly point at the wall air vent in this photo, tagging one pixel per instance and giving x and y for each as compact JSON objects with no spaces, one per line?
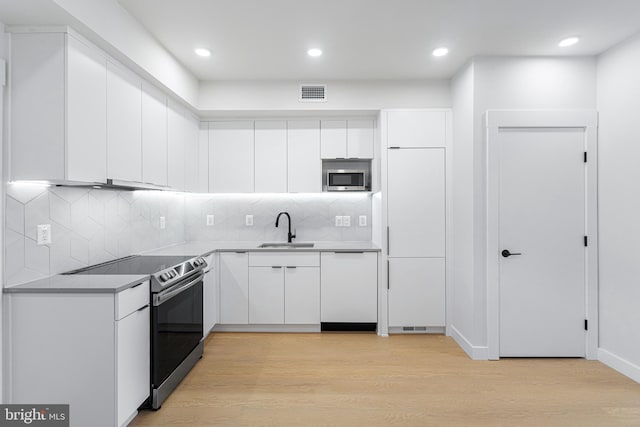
{"x":313,"y":93}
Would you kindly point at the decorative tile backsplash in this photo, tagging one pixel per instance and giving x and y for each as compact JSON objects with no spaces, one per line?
{"x":89,"y":226}
{"x":312,"y":216}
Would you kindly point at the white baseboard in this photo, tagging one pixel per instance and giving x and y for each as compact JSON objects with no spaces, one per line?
{"x":475,"y":352}
{"x":621,"y":365}
{"x":267,"y":328}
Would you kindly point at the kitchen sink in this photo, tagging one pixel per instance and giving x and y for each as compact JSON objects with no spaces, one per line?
{"x":286,"y":245}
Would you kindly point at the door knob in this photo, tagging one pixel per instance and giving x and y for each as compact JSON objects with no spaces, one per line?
{"x":507,"y":254}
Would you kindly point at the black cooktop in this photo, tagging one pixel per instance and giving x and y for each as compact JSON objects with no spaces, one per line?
{"x":140,"y":264}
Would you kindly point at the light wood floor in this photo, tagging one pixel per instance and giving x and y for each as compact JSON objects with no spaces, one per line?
{"x":404,"y":380}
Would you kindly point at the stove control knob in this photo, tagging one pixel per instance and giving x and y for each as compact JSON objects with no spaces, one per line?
{"x":173,"y":273}
{"x":164,"y":277}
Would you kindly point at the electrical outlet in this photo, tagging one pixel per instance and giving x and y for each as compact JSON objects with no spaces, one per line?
{"x":210,"y":220}
{"x":163,"y":223}
{"x":248,"y":220}
{"x":346,"y":221}
{"x":44,"y":234}
{"x":338,"y":221}
{"x":362,"y":221}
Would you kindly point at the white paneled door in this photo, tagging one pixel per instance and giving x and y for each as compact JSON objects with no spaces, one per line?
{"x":542,"y":226}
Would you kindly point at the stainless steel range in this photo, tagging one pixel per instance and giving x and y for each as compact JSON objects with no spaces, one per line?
{"x":176,"y":314}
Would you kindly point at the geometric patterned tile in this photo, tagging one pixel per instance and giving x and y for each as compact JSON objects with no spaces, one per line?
{"x":14,"y":215}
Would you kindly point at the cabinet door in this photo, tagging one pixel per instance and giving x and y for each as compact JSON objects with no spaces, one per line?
{"x":176,"y":147}
{"x":416,"y":129}
{"x":349,"y":287}
{"x":416,"y":202}
{"x":304,"y":163}
{"x":333,"y":139}
{"x":266,"y":295}
{"x":133,"y":363}
{"x":203,"y":158}
{"x":124,"y":124}
{"x":191,"y":153}
{"x":209,"y":300}
{"x":154,"y":136}
{"x":231,"y":157}
{"x":416,"y":292}
{"x":271,"y":156}
{"x":234,"y":288}
{"x":360,"y":139}
{"x":86,"y":113}
{"x":302,"y":296}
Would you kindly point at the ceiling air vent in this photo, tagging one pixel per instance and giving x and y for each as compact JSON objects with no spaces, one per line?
{"x":313,"y":93}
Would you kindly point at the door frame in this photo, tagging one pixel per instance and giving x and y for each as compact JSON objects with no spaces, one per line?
{"x":494,"y":120}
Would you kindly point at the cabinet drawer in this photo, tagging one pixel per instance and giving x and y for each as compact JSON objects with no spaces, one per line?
{"x":284,"y":259}
{"x":132,"y":299}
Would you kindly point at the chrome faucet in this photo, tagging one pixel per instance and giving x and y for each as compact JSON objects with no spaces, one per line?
{"x":289,"y":235}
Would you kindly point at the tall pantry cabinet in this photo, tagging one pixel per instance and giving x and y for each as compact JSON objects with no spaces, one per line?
{"x":414,"y":184}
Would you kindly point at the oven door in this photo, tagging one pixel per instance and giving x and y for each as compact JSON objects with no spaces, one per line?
{"x":176,"y":326}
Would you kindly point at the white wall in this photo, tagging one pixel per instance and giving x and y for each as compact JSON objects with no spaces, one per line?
{"x":283,"y":95}
{"x":114,"y":25}
{"x":501,"y":83}
{"x":462,"y":283}
{"x":4,"y":56}
{"x":618,"y":91}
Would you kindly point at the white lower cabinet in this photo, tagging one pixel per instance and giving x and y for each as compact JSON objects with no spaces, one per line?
{"x":234,"y":288}
{"x":284,"y":288}
{"x":302,"y":296}
{"x":416,"y":292}
{"x":349,"y":287}
{"x":210,"y":297}
{"x":92,"y":351}
{"x":266,"y":295}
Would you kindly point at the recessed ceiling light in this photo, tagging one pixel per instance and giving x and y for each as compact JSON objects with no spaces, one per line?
{"x":202,"y":52}
{"x":569,"y":41}
{"x":441,"y":51}
{"x":314,"y":52}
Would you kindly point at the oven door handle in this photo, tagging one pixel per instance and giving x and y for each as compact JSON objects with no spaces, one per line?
{"x":165,"y":296}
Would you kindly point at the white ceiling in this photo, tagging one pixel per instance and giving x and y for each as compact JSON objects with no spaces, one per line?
{"x":374,"y":39}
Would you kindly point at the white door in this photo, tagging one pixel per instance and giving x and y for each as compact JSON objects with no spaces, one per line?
{"x":542,"y":217}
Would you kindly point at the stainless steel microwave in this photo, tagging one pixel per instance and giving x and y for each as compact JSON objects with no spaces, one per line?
{"x":347,"y":180}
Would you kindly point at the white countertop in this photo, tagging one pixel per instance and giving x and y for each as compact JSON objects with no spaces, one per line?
{"x":80,"y":283}
{"x":205,"y":248}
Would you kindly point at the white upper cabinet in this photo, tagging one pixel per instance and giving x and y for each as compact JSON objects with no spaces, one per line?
{"x":347,"y":139}
{"x":360,"y":139}
{"x":192,"y":153}
{"x":416,"y":202}
{"x":124,"y":124}
{"x":154,"y":136}
{"x":333,"y":137}
{"x":203,"y":158}
{"x":231,"y":157}
{"x":61,"y":81}
{"x":413,"y":129}
{"x":271,"y":156}
{"x":176,"y":146}
{"x":304,"y":163}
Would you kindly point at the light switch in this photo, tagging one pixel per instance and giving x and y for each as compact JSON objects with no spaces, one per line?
{"x":163,"y":223}
{"x":210,"y":220}
{"x":346,"y":221}
{"x":44,"y":234}
{"x":248,"y":220}
{"x":362,"y":221}
{"x":338,"y":221}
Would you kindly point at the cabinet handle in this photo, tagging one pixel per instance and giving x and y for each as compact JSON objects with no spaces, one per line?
{"x":135,"y":286}
{"x":387,"y":240}
{"x":240,"y":252}
{"x":348,"y":252}
{"x":394,"y":148}
{"x":142,"y":308}
{"x":276,"y":266}
{"x":388,"y":281}
{"x":291,"y":266}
